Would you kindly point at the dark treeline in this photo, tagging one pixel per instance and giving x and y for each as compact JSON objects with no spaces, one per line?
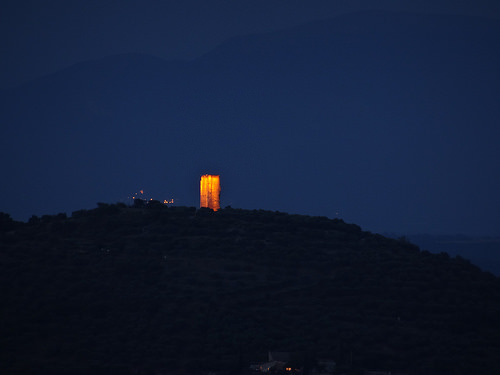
{"x":157,"y":289}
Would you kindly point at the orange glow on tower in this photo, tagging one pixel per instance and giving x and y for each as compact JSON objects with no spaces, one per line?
{"x":210,"y":191}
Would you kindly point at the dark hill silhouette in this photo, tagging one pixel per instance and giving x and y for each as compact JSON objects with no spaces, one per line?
{"x":156,"y":289}
{"x":397,"y":112}
{"x":482,"y":251}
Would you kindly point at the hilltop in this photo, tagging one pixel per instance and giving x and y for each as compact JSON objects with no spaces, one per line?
{"x":157,"y":289}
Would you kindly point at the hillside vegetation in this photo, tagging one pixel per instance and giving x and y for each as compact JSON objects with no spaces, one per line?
{"x":156,"y":289}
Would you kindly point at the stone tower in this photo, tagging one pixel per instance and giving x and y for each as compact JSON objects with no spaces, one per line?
{"x":210,"y":191}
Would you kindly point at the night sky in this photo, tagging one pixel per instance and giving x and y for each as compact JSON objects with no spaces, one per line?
{"x":427,"y":167}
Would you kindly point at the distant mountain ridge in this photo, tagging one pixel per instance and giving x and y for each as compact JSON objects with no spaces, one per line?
{"x":397,"y":111}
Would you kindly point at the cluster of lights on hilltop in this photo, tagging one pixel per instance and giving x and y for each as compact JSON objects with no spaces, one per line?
{"x":140,"y":195}
{"x":209,"y":193}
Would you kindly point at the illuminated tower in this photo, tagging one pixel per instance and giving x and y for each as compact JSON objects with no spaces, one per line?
{"x":210,"y":191}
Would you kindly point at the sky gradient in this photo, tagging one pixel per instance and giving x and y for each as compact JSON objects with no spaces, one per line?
{"x":387,"y":120}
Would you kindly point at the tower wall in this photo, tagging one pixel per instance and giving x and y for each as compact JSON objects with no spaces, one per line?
{"x":210,"y":191}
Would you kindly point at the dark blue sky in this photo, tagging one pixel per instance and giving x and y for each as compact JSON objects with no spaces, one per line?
{"x":406,"y":143}
{"x":42,"y":37}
